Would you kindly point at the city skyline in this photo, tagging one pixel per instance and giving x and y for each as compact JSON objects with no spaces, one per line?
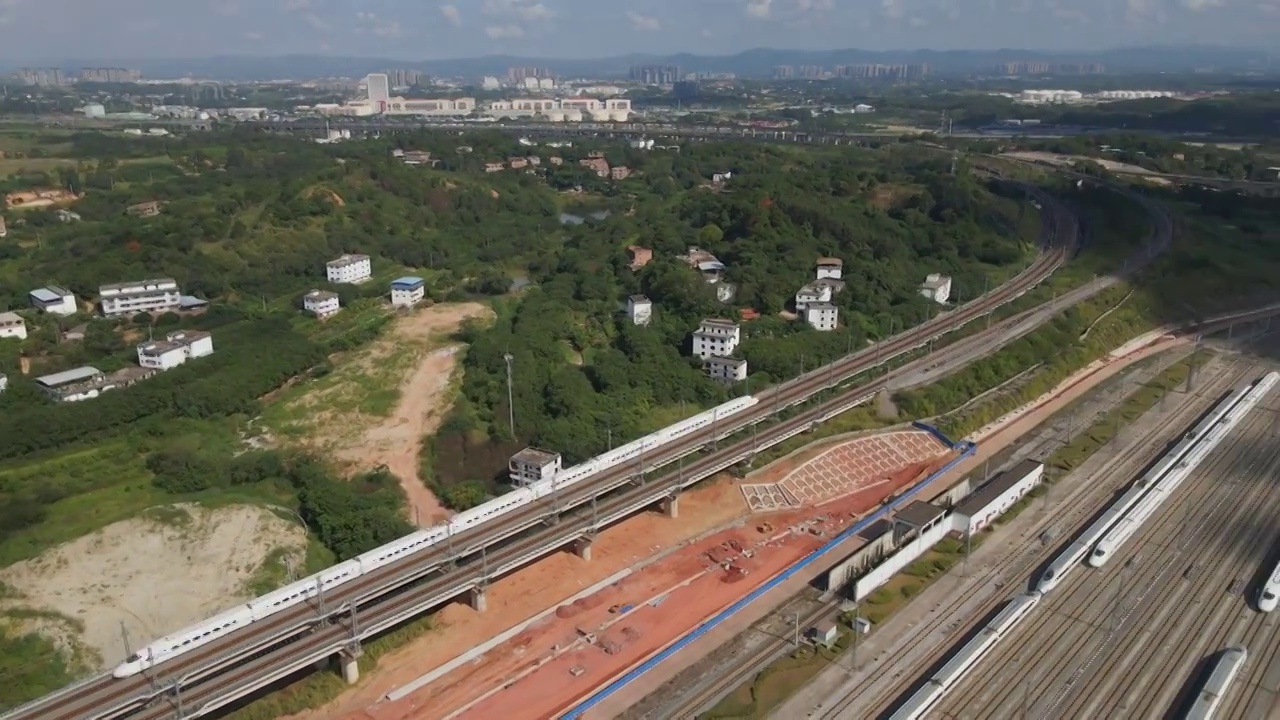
{"x":399,"y":29}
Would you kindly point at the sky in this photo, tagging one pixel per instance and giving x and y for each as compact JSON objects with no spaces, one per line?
{"x":31,"y":30}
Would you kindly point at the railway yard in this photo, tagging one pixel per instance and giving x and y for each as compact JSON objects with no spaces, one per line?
{"x":1135,"y":638}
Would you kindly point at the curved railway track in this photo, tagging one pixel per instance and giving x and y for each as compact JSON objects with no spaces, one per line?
{"x":1119,"y":635}
{"x":1015,"y":567}
{"x":196,"y":678}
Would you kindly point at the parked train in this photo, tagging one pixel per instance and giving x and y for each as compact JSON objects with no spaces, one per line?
{"x":1167,"y":485}
{"x":932,"y":692}
{"x":1267,"y":597}
{"x":1077,"y":551}
{"x":326,"y":581}
{"x":1224,"y":673}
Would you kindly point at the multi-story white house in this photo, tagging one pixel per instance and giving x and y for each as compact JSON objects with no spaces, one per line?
{"x":639,"y":309}
{"x":813,"y":293}
{"x":830,"y":268}
{"x":408,"y":291}
{"x":349,"y":269}
{"x":321,"y":303}
{"x":822,"y":316}
{"x":177,"y":348}
{"x":54,"y":299}
{"x":531,"y":465}
{"x":937,"y":288}
{"x":716,"y":337}
{"x":12,"y":326}
{"x":726,"y":369}
{"x":127,"y":298}
{"x":4,"y":382}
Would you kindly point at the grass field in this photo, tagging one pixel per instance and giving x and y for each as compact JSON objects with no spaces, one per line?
{"x":109,"y":482}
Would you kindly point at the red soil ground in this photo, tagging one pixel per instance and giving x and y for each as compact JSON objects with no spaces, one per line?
{"x":567,"y":655}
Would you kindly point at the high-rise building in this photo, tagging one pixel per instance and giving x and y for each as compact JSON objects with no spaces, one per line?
{"x":43,"y":77}
{"x":655,"y":74}
{"x":109,"y":75}
{"x":518,"y":75}
{"x":405,"y":78}
{"x":784,"y":72}
{"x":379,"y":91}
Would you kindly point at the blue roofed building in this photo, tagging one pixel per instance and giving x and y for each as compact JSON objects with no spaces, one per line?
{"x":407,"y":291}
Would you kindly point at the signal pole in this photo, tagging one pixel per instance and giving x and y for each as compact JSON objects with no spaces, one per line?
{"x":511,"y":407}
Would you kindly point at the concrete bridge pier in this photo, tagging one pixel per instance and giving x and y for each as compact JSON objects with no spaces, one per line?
{"x":670,"y":506}
{"x":477,"y":598}
{"x":582,"y":547}
{"x":349,"y":659}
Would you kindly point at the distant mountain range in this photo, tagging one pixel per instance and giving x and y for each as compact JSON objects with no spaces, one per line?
{"x":750,"y":63}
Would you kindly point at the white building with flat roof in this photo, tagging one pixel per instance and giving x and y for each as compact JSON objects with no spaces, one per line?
{"x":12,"y":326}
{"x":177,"y":348}
{"x":726,"y":369}
{"x":348,"y":269}
{"x":639,"y":309}
{"x":937,"y":288}
{"x":321,"y":303}
{"x":407,"y":291}
{"x":532,"y":465}
{"x":54,"y":299}
{"x":716,"y":337}
{"x":822,"y":316}
{"x":829,"y":268}
{"x":127,"y":298}
{"x":813,"y":293}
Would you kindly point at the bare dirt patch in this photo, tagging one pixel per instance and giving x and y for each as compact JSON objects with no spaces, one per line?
{"x":155,"y":574}
{"x":424,"y":399}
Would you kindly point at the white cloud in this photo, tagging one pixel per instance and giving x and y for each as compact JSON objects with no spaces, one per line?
{"x":498,"y":32}
{"x":225,"y":7}
{"x":369,"y":22}
{"x":759,"y":8}
{"x":1198,"y":5}
{"x":523,"y":9}
{"x":254,"y":36}
{"x":315,"y":22}
{"x":450,"y":13}
{"x":917,"y":21}
{"x":1270,"y":8}
{"x":705,"y":33}
{"x":296,"y":5}
{"x":643,"y":23}
{"x":893,"y":9}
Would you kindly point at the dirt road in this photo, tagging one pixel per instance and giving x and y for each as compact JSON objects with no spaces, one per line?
{"x":424,"y":401}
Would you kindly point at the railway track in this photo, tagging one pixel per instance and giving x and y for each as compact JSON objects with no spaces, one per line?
{"x":1013,"y":568}
{"x":1149,"y":603}
{"x":196,"y":679}
{"x":748,"y":666}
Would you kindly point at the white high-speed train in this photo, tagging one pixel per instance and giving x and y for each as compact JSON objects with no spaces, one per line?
{"x":1062,"y":564}
{"x":931,"y":693}
{"x":1267,"y":597}
{"x":222,"y":624}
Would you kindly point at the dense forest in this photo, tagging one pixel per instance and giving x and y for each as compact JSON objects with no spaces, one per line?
{"x":249,"y":219}
{"x":585,"y":377}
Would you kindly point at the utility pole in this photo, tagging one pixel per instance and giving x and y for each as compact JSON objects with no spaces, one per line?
{"x":511,"y":407}
{"x":124,"y":633}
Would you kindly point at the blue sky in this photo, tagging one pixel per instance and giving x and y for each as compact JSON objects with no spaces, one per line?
{"x":424,"y":30}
